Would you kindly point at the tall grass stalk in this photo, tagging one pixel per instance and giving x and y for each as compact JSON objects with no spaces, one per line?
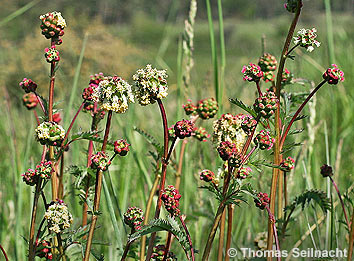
{"x":19,"y":12}
{"x":221,"y":85}
{"x":214,"y":56}
{"x":330,"y":41}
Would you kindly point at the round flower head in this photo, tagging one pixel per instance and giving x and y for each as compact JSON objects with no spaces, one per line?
{"x":189,"y":107}
{"x":326,"y":171}
{"x":151,"y":84}
{"x":93,"y":84}
{"x":28,"y":85}
{"x":121,"y":147}
{"x":113,"y":94}
{"x":262,"y":200}
{"x":306,"y":38}
{"x":235,"y":159}
{"x":268,"y":76}
{"x":287,"y":77}
{"x":201,"y":134}
{"x":51,"y":54}
{"x":206,"y":175}
{"x":207,"y":108}
{"x":30,"y":100}
{"x":170,"y":198}
{"x":133,"y":217}
{"x":333,"y":75}
{"x":184,"y":129}
{"x":252,"y":72}
{"x":42,"y":171}
{"x":58,"y":217}
{"x":228,"y":128}
{"x":226,"y":149}
{"x":243,"y":172}
{"x":158,"y":254}
{"x":264,"y":140}
{"x":287,"y":164}
{"x":291,"y":5}
{"x":43,"y":249}
{"x":248,"y":124}
{"x":100,"y":161}
{"x":266,"y":104}
{"x":53,"y":25}
{"x":50,"y":133}
{"x":267,"y":62}
{"x":171,"y":133}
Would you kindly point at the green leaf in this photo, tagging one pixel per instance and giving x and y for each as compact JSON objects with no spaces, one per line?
{"x":151,"y":140}
{"x":317,"y":196}
{"x":240,"y":104}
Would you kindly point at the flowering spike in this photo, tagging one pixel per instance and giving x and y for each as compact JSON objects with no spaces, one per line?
{"x":252,"y":72}
{"x":306,"y":38}
{"x":100,"y":161}
{"x":333,"y":75}
{"x":58,"y":216}
{"x":52,"y":26}
{"x":207,"y":108}
{"x":28,"y":85}
{"x":170,"y":198}
{"x":121,"y":147}
{"x":151,"y":84}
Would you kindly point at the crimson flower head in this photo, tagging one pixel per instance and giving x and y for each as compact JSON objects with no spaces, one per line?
{"x":333,"y":75}
{"x":287,"y":164}
{"x":121,"y":147}
{"x":183,"y":128}
{"x":133,"y":217}
{"x":170,"y":197}
{"x":252,"y":73}
{"x":28,"y":85}
{"x":100,"y":161}
{"x":206,"y":175}
{"x":266,"y":105}
{"x":226,"y":149}
{"x":201,"y":134}
{"x":326,"y":170}
{"x":207,"y":108}
{"x":264,"y":140}
{"x":262,"y":200}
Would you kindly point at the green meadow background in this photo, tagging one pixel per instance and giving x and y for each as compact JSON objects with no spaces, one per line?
{"x":118,"y":37}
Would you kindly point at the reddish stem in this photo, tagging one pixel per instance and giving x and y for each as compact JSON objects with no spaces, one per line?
{"x":272,"y":220}
{"x":36,"y":116}
{"x":259,"y":89}
{"x":168,"y":245}
{"x":188,"y":236}
{"x":298,"y":112}
{"x":72,"y":124}
{"x":40,"y":103}
{"x":3,"y":251}
{"x":163,"y":176}
{"x":341,"y":201}
{"x":249,"y":139}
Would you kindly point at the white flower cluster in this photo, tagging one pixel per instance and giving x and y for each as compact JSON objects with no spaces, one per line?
{"x":56,"y":15}
{"x":306,"y":38}
{"x":58,"y":217}
{"x":113,"y":94}
{"x":49,"y":132}
{"x":228,"y":128}
{"x":151,"y":84}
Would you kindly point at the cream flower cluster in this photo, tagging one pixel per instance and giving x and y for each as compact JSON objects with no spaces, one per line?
{"x":228,"y":128}
{"x":113,"y":94}
{"x":57,"y":16}
{"x":50,"y":133}
{"x":58,"y":217}
{"x":151,"y":84}
{"x":306,"y":38}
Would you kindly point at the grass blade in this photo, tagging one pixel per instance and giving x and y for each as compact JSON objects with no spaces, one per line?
{"x":18,"y":12}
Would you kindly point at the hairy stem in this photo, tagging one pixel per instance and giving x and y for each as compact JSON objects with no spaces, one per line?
{"x":278,"y":126}
{"x":147,"y":213}
{"x":163,"y":176}
{"x":31,"y":253}
{"x":341,"y":201}
{"x":188,"y":236}
{"x":298,"y":112}
{"x":98,"y":188}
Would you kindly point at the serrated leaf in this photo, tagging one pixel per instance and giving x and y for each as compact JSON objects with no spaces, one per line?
{"x":296,"y":131}
{"x":317,"y":196}
{"x":301,"y":117}
{"x":151,"y":140}
{"x":91,"y":135}
{"x":240,"y":104}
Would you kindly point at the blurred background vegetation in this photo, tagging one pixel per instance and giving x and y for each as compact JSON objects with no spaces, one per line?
{"x":124,"y":35}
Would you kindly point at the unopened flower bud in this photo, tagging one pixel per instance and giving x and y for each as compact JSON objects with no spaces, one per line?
{"x":183,"y":128}
{"x":121,"y":147}
{"x":333,"y":75}
{"x":28,"y":85}
{"x":30,"y":100}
